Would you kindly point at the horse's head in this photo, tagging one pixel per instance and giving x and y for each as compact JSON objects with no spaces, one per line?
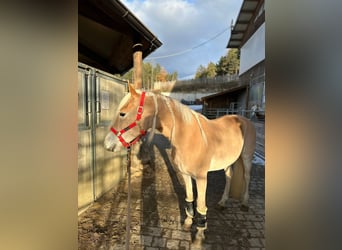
{"x":136,"y":114}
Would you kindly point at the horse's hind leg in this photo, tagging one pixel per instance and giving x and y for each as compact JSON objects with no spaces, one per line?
{"x":189,"y":201}
{"x":247,"y":162}
{"x":224,"y":200}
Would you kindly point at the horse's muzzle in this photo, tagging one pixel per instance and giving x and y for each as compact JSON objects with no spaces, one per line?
{"x":110,"y":142}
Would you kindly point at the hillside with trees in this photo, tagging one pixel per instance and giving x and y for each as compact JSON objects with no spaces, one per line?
{"x":227,"y":65}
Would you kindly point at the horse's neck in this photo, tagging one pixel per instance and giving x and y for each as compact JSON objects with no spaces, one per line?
{"x":167,"y":117}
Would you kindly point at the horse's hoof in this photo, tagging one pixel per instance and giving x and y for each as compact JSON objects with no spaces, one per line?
{"x":199,"y":238}
{"x":187,"y":224}
{"x":220,"y":207}
{"x":186,"y":227}
{"x":244,"y":208}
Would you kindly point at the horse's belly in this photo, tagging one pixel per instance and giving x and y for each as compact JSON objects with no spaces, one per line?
{"x":221,"y":163}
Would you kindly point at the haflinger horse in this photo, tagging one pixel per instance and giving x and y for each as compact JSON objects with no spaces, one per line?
{"x":199,"y":145}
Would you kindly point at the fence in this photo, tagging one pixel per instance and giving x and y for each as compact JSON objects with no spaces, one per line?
{"x":212,"y":113}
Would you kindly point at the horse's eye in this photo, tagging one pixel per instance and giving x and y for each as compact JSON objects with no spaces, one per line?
{"x":122,"y":114}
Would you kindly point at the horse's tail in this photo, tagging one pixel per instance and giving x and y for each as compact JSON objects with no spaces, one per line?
{"x":238,"y":181}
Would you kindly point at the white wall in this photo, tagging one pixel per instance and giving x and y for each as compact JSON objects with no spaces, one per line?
{"x":253,"y":51}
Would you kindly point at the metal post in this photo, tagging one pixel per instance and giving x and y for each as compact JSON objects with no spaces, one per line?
{"x":91,"y":102}
{"x":97,"y":100}
{"x":128,"y":220}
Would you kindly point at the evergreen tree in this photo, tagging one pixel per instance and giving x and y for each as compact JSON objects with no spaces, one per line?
{"x":211,"y":70}
{"x":229,"y":63}
{"x":222,"y":66}
{"x":201,"y":72}
{"x":233,"y":61}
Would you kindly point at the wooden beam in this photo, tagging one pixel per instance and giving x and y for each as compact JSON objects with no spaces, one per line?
{"x":137,"y":65}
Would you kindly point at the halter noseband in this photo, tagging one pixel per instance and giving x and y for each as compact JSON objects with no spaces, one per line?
{"x":132,"y":125}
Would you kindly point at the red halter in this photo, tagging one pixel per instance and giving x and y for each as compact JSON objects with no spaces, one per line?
{"x":132,"y":125}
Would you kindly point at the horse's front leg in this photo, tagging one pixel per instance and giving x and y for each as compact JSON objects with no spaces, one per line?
{"x":189,"y":202}
{"x":201,"y":211}
{"x":201,"y":208}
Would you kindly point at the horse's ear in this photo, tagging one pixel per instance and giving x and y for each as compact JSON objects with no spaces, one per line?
{"x":132,"y":90}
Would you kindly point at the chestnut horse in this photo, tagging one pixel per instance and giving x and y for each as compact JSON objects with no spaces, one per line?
{"x":199,"y":145}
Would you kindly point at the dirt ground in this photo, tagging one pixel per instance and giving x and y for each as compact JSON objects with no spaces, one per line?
{"x":157,"y":210}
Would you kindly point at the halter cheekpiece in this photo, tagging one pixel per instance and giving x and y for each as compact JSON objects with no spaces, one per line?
{"x":132,"y":125}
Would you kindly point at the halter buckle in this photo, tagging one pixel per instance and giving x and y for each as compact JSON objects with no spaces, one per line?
{"x":139,"y":112}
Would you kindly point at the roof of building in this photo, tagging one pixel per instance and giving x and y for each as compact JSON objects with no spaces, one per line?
{"x":107,"y":31}
{"x":238,"y":32}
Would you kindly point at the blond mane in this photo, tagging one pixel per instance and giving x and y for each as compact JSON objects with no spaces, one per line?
{"x":186,"y":113}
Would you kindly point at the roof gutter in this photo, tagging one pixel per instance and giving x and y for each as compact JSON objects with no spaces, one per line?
{"x":136,"y":24}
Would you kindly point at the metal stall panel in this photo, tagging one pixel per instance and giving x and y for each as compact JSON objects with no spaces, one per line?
{"x":99,"y":95}
{"x":85,"y":160}
{"x":109,"y":167}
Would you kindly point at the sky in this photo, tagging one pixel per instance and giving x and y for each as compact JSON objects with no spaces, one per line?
{"x":193,"y":32}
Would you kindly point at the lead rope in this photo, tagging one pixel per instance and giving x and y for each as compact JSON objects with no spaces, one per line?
{"x":128,"y":221}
